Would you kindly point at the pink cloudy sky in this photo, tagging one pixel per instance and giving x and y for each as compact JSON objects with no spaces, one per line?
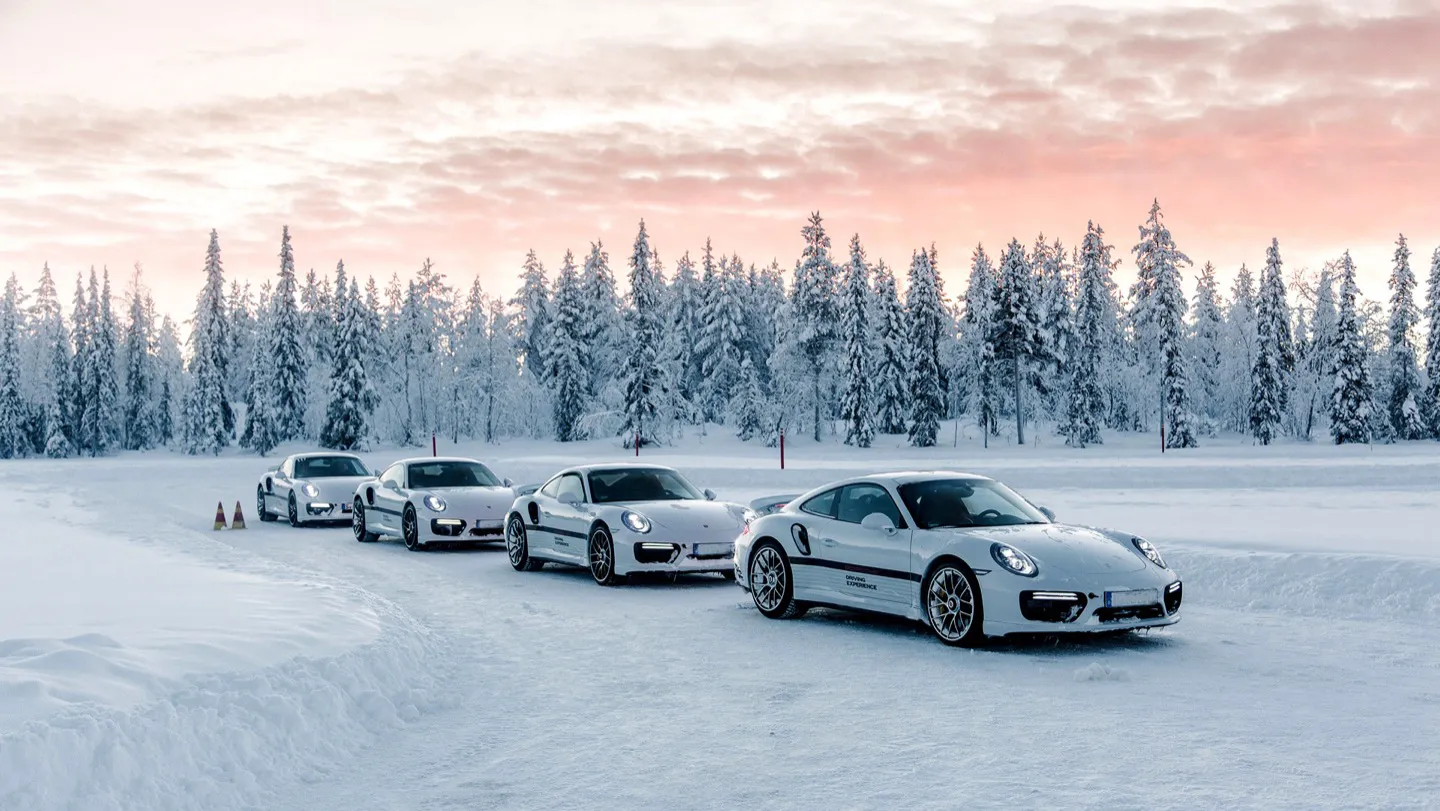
{"x":384,"y":132}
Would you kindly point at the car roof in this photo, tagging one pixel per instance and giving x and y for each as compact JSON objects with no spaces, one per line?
{"x":894,"y":479}
{"x":314,"y":454}
{"x":597,"y":468}
{"x":421,"y":459}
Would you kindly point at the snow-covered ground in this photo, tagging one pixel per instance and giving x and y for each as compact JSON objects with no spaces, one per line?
{"x":147,"y":662}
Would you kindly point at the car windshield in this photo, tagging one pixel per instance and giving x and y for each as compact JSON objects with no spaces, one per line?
{"x":966,"y":503}
{"x":451,"y":474}
{"x":639,"y":484}
{"x":324,"y":467}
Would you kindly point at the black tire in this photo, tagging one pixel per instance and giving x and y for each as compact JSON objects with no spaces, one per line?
{"x":410,"y":530}
{"x":293,"y":511}
{"x":772,"y":583}
{"x":357,"y":524}
{"x":601,"y":555}
{"x":954,"y":589}
{"x":265,"y":514}
{"x":517,"y":546}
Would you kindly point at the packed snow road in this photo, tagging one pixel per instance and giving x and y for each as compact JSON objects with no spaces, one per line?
{"x":1297,"y":679}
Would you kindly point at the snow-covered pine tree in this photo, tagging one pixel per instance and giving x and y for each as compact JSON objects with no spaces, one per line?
{"x":1153,"y":320}
{"x":352,"y":397}
{"x":1350,"y":397}
{"x":80,"y":364}
{"x":209,"y":420}
{"x":1320,"y":352}
{"x":925,"y":322}
{"x":683,"y":326}
{"x":1085,"y":405}
{"x":260,"y":428}
{"x":812,"y":303}
{"x":1057,"y":322}
{"x":602,"y":332}
{"x":533,"y":315}
{"x":284,"y":374}
{"x":1404,"y":393}
{"x":1208,"y":342}
{"x":241,"y":315}
{"x":643,"y":374}
{"x":1270,"y":377}
{"x":890,"y":395}
{"x":169,"y":368}
{"x":1432,"y":348}
{"x":766,"y":309}
{"x":52,"y":366}
{"x":1240,"y":359}
{"x":99,"y":423}
{"x":571,"y":329}
{"x":977,"y":338}
{"x":749,"y":410}
{"x":1016,"y":329}
{"x":720,"y":340}
{"x":858,"y":406}
{"x":138,"y":408}
{"x":13,"y":409}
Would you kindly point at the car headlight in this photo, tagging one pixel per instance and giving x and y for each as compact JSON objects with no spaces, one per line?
{"x":1149,"y":551}
{"x":1013,"y":560}
{"x":635,"y":522}
{"x":309,"y":490}
{"x":435,"y":503}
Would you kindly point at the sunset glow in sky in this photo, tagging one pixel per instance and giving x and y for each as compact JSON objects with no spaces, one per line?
{"x":383,"y":132}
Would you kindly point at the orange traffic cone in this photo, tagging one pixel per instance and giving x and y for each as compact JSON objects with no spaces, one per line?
{"x":239,"y":522}
{"x":219,"y":515}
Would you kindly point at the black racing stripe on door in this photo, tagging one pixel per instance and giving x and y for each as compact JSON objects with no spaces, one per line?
{"x":556,"y":531}
{"x":377,"y":508}
{"x":854,"y":567}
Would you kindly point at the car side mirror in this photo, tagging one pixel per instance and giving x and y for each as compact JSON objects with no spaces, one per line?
{"x":507,"y":483}
{"x":1048,"y":513}
{"x":878,"y":521}
{"x":709,"y":494}
{"x":375,"y":473}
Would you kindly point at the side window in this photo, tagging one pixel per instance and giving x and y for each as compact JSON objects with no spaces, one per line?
{"x":287,"y":470}
{"x":823,"y":504}
{"x":570,"y":487}
{"x":860,"y":500}
{"x":395,"y":474}
{"x":551,"y":488}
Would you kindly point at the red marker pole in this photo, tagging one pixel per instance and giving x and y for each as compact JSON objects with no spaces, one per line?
{"x":433,"y":450}
{"x":637,"y":443}
{"x":782,"y":448}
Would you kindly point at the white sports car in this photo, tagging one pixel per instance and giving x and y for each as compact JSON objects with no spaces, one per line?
{"x":963,"y":554}
{"x":310,"y":488}
{"x":430,"y":500}
{"x":616,"y":520}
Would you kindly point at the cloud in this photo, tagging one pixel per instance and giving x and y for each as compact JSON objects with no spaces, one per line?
{"x":1298,"y":121}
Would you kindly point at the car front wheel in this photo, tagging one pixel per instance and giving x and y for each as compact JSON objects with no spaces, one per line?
{"x":260,"y":506}
{"x":357,"y":524}
{"x":771,"y":583}
{"x":410,"y":530}
{"x":517,"y":544}
{"x":953,"y":606}
{"x":602,"y":558}
{"x":293,"y":510}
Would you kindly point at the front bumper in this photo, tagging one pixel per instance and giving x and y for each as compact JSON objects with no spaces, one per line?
{"x":449,"y":529}
{"x":325,"y":511}
{"x":638,"y":553}
{"x":1150,"y":600}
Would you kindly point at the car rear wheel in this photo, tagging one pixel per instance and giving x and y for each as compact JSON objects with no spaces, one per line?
{"x":410,"y":530}
{"x":357,"y":524}
{"x":265,"y":514}
{"x":294,"y":511}
{"x":602,"y":558}
{"x":772,"y":585}
{"x":517,"y":544}
{"x":953,"y":606}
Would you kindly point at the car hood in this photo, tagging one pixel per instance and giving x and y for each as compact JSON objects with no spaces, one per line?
{"x":475,"y":503}
{"x":690,"y":515}
{"x":1066,"y":548}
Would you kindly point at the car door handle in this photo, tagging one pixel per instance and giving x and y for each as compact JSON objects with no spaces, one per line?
{"x":827,"y":542}
{"x":547,"y":513}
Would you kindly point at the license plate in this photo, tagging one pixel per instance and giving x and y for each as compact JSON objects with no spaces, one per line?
{"x":489,"y":523}
{"x":1124,"y":599}
{"x":712,"y":549}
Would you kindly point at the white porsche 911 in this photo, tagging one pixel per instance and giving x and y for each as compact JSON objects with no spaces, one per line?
{"x":310,"y":488}
{"x":617,"y":520}
{"x":963,"y":554}
{"x":430,"y":500}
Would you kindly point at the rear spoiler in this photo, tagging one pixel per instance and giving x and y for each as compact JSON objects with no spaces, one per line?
{"x":526,"y":489}
{"x":769,"y":504}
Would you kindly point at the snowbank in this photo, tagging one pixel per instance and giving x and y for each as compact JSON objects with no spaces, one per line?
{"x":136,"y":673}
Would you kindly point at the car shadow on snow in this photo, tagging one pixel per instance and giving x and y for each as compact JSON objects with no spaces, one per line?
{"x":1073,"y":644}
{"x":648,"y":581}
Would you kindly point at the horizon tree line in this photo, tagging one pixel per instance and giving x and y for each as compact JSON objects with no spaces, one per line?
{"x":1043,"y":338}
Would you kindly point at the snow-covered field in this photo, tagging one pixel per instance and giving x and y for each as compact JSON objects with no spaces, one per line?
{"x":147,"y":662}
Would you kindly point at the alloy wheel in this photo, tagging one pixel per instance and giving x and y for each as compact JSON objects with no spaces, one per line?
{"x":950,"y":604}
